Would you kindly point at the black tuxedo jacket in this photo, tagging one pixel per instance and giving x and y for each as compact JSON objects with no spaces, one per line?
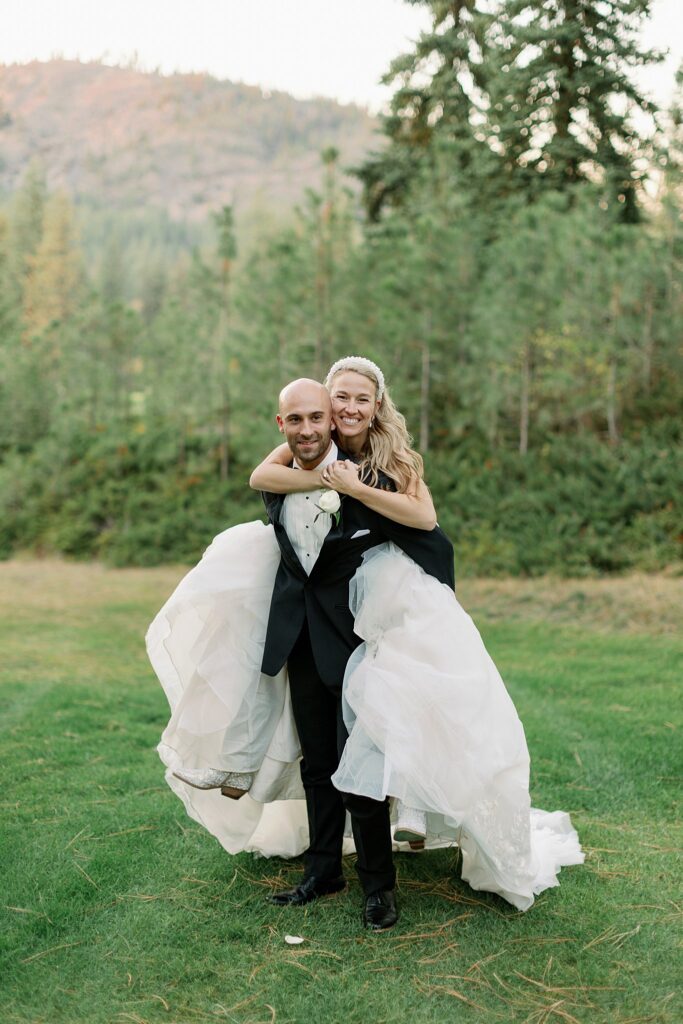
{"x":323,"y":597}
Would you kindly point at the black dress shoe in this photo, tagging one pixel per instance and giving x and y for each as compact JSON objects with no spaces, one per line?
{"x":310,"y":889}
{"x":380,"y":910}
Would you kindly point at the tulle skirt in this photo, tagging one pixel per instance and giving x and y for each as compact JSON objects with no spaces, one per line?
{"x":430,"y":721}
{"x":206,"y":647}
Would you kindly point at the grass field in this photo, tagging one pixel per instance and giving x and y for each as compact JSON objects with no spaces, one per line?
{"x":117,"y":908}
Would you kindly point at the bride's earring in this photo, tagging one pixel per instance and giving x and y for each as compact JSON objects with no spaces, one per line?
{"x":372,"y":422}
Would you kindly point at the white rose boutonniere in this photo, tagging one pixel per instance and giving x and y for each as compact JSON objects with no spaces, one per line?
{"x":330,"y":502}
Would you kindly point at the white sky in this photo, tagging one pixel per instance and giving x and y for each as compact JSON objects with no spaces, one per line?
{"x":336,"y":48}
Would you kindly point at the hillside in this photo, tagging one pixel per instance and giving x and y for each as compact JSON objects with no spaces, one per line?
{"x":122,"y":138}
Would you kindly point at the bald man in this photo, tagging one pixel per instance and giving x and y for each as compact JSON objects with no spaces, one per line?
{"x":310,"y":628}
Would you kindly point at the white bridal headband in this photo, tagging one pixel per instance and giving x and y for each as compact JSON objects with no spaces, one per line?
{"x":361,"y":364}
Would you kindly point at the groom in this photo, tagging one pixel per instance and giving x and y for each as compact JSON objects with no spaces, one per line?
{"x":310,"y":628}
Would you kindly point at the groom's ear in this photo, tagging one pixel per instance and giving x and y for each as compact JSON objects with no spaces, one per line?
{"x":280,"y":423}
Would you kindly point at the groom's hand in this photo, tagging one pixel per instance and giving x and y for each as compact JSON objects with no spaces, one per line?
{"x":343,"y":477}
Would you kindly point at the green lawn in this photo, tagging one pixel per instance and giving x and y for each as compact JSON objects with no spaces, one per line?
{"x":117,"y":908}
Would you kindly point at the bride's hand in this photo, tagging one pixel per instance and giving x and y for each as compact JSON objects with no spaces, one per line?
{"x":342,"y":477}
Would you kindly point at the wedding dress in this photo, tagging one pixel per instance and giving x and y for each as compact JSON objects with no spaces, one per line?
{"x":430,"y":721}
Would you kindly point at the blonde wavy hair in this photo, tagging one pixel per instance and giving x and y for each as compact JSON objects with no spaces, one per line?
{"x":389,"y":446}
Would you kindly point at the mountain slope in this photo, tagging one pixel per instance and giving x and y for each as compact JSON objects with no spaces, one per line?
{"x":185,"y":143}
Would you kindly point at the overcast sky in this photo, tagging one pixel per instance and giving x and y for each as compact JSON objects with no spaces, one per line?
{"x":337,"y":48}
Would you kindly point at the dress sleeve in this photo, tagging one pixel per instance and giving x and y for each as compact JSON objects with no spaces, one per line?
{"x":431,"y":549}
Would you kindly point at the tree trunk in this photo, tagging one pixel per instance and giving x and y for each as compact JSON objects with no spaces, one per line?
{"x":611,"y":397}
{"x":283,"y":363}
{"x":612,"y":429}
{"x":182,"y":451}
{"x":492,"y":427}
{"x":648,"y":343}
{"x":320,"y":340}
{"x":424,"y":398}
{"x":323,"y":274}
{"x":524,"y":400}
{"x":224,"y":443}
{"x":223,"y":349}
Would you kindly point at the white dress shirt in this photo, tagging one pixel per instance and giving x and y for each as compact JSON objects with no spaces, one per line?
{"x":305,"y":525}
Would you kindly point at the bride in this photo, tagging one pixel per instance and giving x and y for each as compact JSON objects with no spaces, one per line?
{"x":429,"y":719}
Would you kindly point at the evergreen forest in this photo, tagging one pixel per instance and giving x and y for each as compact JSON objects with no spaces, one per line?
{"x":510,"y":253}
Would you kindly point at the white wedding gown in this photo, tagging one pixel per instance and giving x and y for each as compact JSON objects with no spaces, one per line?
{"x":430,"y":721}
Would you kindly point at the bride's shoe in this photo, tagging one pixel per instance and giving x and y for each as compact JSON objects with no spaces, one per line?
{"x":231,"y":784}
{"x":411,"y":827}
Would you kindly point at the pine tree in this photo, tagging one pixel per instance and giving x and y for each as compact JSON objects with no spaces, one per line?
{"x":521,"y":97}
{"x":324,"y":220}
{"x":8,"y":305}
{"x":26,"y":219}
{"x":226,"y":252}
{"x":562,"y":101}
{"x":440,"y":97}
{"x":274,"y":306}
{"x":55,"y":271}
{"x":112,"y":283}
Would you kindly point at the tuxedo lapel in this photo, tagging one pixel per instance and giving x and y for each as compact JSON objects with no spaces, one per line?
{"x":275,"y":505}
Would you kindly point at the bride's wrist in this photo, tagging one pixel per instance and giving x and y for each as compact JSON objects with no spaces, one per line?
{"x":360,"y":490}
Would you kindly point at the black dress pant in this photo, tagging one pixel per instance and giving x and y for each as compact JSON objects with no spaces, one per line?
{"x":319,"y":722}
